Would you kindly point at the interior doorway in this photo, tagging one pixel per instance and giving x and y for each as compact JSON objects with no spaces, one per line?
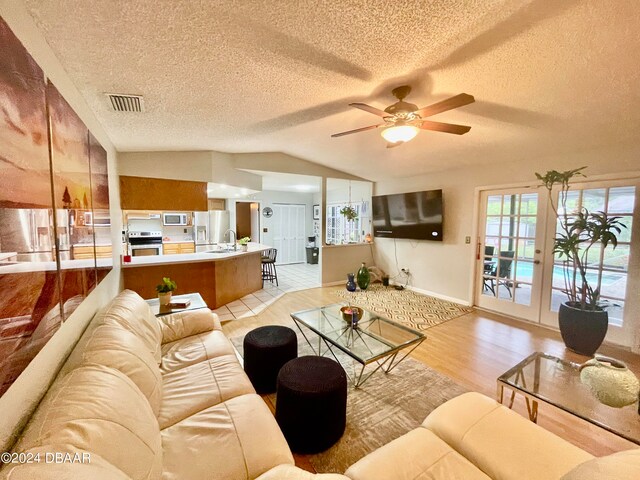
{"x":248,"y":220}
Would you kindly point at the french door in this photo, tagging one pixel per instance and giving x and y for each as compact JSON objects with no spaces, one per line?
{"x":510,"y":252}
{"x":518,"y":275}
{"x":289,"y":232}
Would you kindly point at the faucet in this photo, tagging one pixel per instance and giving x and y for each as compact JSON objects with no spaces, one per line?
{"x":235,"y":238}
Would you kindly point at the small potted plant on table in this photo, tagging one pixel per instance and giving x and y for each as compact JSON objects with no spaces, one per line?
{"x":165,"y":290}
{"x":582,"y":319}
{"x":244,"y":243}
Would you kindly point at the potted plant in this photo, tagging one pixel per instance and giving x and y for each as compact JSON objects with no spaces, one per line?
{"x":165,"y":289}
{"x":349,"y":212}
{"x":582,"y":318}
{"x":244,"y":243}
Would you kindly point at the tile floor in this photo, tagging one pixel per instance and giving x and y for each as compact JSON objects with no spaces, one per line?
{"x":294,"y":277}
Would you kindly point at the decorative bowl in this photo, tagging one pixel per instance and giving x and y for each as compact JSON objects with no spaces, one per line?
{"x":351,"y":314}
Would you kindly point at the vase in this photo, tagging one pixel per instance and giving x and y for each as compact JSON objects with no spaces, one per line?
{"x":582,"y":331}
{"x":164,"y":298}
{"x":351,"y":284}
{"x":364,"y":278}
{"x":611,"y":381}
{"x":244,"y":248}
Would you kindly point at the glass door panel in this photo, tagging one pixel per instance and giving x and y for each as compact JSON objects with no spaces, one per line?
{"x":510,"y":249}
{"x":606,"y":268}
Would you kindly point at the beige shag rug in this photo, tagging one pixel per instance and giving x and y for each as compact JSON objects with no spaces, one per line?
{"x":384,"y":408}
{"x":405,"y":306}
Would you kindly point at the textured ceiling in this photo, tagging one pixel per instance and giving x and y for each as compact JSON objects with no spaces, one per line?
{"x":549,"y":76}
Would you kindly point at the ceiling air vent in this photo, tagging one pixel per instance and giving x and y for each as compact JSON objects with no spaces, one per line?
{"x":126,"y":103}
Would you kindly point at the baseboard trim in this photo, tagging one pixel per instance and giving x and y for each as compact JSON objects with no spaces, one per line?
{"x":439,"y":295}
{"x":333,"y":284}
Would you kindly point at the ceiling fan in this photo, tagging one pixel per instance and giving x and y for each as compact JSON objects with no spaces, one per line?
{"x":403,"y":120}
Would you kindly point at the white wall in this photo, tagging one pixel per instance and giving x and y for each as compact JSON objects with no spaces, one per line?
{"x":23,"y":396}
{"x":446,"y":268}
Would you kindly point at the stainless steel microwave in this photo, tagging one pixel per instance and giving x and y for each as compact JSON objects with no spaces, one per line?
{"x":175,"y":219}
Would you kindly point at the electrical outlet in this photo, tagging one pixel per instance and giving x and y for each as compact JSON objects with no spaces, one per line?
{"x":467,"y":239}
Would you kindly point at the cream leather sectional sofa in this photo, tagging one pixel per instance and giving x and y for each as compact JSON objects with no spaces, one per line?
{"x":150,"y":399}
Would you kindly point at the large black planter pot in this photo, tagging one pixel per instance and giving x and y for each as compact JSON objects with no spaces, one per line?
{"x":582,"y":331}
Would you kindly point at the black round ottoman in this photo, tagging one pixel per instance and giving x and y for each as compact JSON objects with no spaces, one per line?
{"x":266,"y":350}
{"x":311,"y":403}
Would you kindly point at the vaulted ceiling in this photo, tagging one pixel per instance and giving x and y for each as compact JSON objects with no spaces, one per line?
{"x":252,"y":76}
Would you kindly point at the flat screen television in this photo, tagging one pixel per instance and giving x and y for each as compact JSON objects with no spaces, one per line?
{"x":414,"y":215}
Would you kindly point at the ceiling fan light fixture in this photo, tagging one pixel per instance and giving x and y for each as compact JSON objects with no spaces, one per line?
{"x":399,"y":133}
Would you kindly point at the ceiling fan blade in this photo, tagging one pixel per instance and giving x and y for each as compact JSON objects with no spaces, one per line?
{"x":363,"y":129}
{"x":445,"y":127}
{"x":392,"y":145}
{"x":370,"y":109}
{"x":448,"y":104}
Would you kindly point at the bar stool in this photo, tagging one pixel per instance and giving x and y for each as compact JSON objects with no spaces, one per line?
{"x":269,"y":266}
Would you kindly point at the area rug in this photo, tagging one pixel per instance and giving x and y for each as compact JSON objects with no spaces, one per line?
{"x":405,"y":306}
{"x":384,"y":408}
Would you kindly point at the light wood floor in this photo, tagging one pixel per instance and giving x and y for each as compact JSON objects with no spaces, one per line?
{"x":474,"y":350}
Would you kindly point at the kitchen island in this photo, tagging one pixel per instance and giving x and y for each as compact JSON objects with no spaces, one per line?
{"x":218,"y":276}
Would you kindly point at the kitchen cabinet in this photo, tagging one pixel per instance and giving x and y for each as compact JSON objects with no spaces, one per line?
{"x":175,"y":248}
{"x":217,"y":204}
{"x":86,"y":252}
{"x":142,"y":193}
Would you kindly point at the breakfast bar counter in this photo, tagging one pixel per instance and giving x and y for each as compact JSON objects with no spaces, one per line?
{"x":219,"y":276}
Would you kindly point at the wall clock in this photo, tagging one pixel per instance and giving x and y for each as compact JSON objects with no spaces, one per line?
{"x":267,"y":212}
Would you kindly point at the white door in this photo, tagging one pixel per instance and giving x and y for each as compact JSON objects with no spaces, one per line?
{"x":510,"y":250}
{"x":289,"y":232}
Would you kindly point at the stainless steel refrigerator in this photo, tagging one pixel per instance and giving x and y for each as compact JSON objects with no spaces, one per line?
{"x":210,"y":227}
{"x":28,"y":232}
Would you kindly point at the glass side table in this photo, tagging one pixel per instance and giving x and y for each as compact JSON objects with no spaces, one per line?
{"x":544,"y":378}
{"x":159,"y":310}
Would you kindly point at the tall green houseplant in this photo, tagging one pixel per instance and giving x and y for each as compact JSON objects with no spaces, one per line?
{"x":583,"y":322}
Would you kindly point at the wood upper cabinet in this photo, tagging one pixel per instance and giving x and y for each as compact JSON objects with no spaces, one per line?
{"x":217,"y":204}
{"x":142,"y":193}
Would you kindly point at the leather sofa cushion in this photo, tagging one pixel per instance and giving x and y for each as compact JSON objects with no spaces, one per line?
{"x":130,"y":311}
{"x":100,"y":410}
{"x":194,"y":349}
{"x":114,"y":346}
{"x":235,"y":440}
{"x":619,"y":466}
{"x":289,"y":472}
{"x":96,"y":468}
{"x":500,"y":442}
{"x":200,"y":386}
{"x":417,"y":455}
{"x":184,"y":324}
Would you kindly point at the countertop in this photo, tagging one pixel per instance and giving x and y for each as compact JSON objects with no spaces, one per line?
{"x":24,"y":267}
{"x":103,"y":244}
{"x":191,"y":257}
{"x":177,"y":241}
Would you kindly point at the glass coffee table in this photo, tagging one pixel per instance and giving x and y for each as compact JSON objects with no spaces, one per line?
{"x":159,"y":310}
{"x":544,"y":378}
{"x":376,"y":339}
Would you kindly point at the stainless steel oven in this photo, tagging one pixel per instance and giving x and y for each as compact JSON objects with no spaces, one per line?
{"x":145,"y":243}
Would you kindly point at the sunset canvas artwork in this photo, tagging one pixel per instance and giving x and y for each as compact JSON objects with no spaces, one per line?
{"x":71,"y":190}
{"x":53,"y":180}
{"x":24,"y":153}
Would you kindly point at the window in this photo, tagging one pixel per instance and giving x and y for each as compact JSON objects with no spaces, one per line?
{"x":339,"y":230}
{"x":608,"y":268}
